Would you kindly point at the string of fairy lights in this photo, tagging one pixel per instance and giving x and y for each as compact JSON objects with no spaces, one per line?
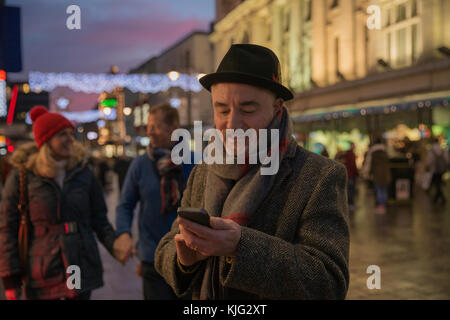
{"x":98,"y":83}
{"x":383,"y":109}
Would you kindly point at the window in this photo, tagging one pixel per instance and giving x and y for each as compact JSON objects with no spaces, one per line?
{"x":334,"y":4}
{"x":414,"y":40}
{"x":388,"y":16}
{"x":413,"y":8}
{"x":308,"y":10}
{"x":402,"y":33}
{"x":336,"y":54}
{"x":388,"y":47}
{"x":287,"y":21}
{"x":401,"y":46}
{"x":401,"y":12}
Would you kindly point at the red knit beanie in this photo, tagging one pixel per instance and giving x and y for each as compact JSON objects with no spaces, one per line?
{"x":46,"y":124}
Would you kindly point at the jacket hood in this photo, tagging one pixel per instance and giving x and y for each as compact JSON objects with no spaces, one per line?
{"x":41,"y":162}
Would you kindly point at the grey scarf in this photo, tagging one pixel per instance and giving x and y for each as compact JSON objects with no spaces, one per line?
{"x":235,"y":191}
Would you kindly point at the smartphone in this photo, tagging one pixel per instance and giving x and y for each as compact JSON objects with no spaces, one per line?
{"x":196,"y":215}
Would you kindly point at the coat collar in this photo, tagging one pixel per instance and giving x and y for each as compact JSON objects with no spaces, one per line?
{"x":40,"y":162}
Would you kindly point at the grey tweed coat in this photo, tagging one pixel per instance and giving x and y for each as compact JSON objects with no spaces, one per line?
{"x":296,"y":245}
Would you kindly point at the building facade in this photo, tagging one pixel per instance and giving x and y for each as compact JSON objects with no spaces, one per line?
{"x":191,"y":55}
{"x":349,"y":65}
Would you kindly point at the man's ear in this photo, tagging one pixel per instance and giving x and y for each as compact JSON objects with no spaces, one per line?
{"x":277,"y":105}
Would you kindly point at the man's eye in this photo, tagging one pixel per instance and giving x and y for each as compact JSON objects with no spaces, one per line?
{"x":248,"y":111}
{"x":224,"y":112}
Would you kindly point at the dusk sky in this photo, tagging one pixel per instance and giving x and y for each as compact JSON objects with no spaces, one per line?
{"x":125,"y":33}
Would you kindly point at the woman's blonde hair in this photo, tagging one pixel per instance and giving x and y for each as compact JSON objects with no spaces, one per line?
{"x":45,"y":164}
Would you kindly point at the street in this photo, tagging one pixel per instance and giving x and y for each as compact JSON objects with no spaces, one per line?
{"x":409,"y":244}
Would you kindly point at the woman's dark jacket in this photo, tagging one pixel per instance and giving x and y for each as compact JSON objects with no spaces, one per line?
{"x":62,"y":225}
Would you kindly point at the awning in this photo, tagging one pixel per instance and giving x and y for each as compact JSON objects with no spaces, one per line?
{"x":363,"y":109}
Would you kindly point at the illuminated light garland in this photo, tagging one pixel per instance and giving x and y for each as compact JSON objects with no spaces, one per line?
{"x":386,"y":109}
{"x":89,"y":116}
{"x":98,"y":83}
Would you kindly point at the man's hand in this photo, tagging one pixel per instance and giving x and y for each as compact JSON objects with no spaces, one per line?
{"x":123,"y":248}
{"x":186,"y":255}
{"x":196,"y":242}
{"x":13,"y":294}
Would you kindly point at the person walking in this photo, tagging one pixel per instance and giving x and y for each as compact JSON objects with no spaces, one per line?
{"x":157,"y":183}
{"x":378,"y":162}
{"x":62,"y":204}
{"x":437,"y":165}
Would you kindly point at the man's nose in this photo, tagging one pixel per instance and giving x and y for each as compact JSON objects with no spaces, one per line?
{"x":234,"y":120}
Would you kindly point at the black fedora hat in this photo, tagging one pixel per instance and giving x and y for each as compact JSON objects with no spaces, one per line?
{"x":249,"y":64}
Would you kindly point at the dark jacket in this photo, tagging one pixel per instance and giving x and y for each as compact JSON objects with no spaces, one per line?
{"x":143,"y":185}
{"x":350,"y":164}
{"x":380,"y":167}
{"x":51,"y":248}
{"x":296,"y":245}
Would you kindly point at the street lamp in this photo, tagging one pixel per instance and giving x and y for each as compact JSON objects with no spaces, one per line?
{"x":107,"y":111}
{"x":173,"y":75}
{"x":200,"y":75}
{"x":127,"y":111}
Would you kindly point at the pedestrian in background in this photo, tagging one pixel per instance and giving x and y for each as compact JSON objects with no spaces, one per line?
{"x":352,"y":173}
{"x":437,"y":165}
{"x":378,"y":162}
{"x":64,"y":207}
{"x":157,"y":183}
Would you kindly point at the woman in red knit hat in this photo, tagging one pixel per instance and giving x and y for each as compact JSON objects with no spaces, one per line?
{"x":65,"y":208}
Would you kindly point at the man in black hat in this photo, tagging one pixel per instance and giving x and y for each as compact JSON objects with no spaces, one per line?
{"x":280,"y":236}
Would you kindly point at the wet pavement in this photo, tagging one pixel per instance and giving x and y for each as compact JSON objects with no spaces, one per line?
{"x":410,"y":245}
{"x":121,"y":282}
